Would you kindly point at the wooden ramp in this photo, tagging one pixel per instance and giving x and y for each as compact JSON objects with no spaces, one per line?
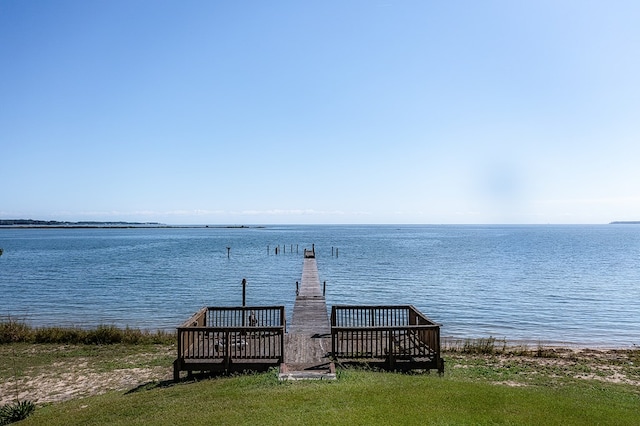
{"x":308,"y":342}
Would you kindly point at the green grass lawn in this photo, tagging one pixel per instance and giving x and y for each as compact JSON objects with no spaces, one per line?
{"x":356,"y":398}
{"x":483,"y":384}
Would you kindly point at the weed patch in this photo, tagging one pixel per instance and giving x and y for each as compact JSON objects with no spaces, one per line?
{"x":13,"y":331}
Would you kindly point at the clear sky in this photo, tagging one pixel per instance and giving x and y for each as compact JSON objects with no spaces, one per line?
{"x":260,"y":112}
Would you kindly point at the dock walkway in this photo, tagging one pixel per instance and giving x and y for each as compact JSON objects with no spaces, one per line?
{"x":308,"y":342}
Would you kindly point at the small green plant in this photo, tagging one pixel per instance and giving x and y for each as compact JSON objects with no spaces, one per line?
{"x":480,"y":346}
{"x":11,"y":413}
{"x":542,"y":352}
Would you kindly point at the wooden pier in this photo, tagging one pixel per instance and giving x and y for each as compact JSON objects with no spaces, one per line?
{"x":256,"y":338}
{"x":308,"y":341}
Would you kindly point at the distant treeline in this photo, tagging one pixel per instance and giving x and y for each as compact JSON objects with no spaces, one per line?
{"x":626,"y":222}
{"x":31,"y":222}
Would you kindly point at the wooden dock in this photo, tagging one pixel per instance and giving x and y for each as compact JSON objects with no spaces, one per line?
{"x":308,"y":341}
{"x":228,"y":339}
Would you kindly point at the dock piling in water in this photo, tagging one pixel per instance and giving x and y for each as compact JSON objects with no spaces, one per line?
{"x":244,"y":292}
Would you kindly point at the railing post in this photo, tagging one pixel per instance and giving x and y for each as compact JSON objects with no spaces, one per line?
{"x":334,"y":340}
{"x":227,"y":350}
{"x":282,"y":360}
{"x":391,"y":360}
{"x":176,"y":370}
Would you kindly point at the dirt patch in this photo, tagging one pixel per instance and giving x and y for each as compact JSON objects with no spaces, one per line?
{"x":78,"y":382}
{"x":67,"y":375}
{"x":536,"y":367}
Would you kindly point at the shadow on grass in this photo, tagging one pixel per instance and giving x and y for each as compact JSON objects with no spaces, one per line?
{"x":194,"y":378}
{"x":150,"y":386}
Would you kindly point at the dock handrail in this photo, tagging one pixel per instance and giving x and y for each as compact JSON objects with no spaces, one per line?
{"x":389,"y":332}
{"x":215,"y":338}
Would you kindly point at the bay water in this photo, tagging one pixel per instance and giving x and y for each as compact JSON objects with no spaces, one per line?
{"x":560,"y":284}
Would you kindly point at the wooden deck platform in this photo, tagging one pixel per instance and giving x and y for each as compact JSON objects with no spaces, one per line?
{"x":308,"y":342}
{"x":229,"y":339}
{"x":397,"y":337}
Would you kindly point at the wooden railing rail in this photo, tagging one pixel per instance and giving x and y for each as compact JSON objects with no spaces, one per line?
{"x":215,"y":337}
{"x":197,"y":319}
{"x":234,"y":342}
{"x":385,"y":332}
{"x":241,"y":316}
{"x":384,"y":315}
{"x":380,"y":342}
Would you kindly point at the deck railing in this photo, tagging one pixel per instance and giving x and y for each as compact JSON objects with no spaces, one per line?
{"x":227,"y":338}
{"x":389,"y":333}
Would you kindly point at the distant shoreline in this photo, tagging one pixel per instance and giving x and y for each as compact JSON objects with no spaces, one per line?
{"x":127,"y":227}
{"x":53,"y":224}
{"x":626,"y":222}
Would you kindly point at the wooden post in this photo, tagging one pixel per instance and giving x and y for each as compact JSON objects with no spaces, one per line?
{"x":297,"y":288}
{"x":282,"y":331}
{"x":228,"y":252}
{"x":176,"y":370}
{"x":227,"y":349}
{"x":244,"y":293}
{"x":391,"y":343}
{"x":324,"y":289}
{"x":268,"y":249}
{"x":331,"y":251}
{"x":296,"y":249}
{"x":336,"y":252}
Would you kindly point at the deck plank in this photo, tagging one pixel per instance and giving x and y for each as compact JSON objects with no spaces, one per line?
{"x":310,"y":308}
{"x":308,"y":342}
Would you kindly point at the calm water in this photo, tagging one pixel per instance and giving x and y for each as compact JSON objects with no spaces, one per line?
{"x":565,"y":284}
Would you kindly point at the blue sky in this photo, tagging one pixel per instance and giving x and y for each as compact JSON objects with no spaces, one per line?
{"x":251,"y":112}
